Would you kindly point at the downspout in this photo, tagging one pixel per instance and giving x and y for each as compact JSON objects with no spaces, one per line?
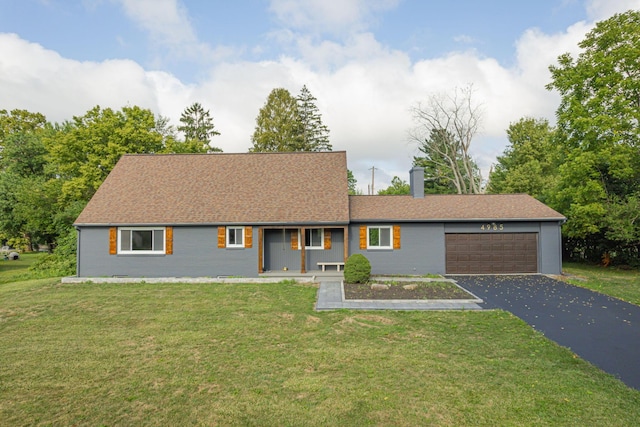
{"x":560,"y":246}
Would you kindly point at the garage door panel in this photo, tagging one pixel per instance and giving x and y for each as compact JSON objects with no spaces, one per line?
{"x":491,"y":253}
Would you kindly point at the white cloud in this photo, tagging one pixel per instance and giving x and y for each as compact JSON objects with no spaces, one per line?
{"x":329,"y":16}
{"x":167,"y":21}
{"x":37,"y":79}
{"x":169,"y":27}
{"x":602,"y":9}
{"x":364,"y":89}
{"x":463,"y":38}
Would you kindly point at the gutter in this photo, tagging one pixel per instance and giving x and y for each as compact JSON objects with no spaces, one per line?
{"x":562,"y":220}
{"x":211,"y":224}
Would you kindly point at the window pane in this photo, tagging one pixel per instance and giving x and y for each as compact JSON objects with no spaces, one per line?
{"x":141,"y":240}
{"x":313,"y":237}
{"x":385,"y":237}
{"x":158,"y":240}
{"x":125,"y":240}
{"x":374,"y":237}
{"x":234,"y":236}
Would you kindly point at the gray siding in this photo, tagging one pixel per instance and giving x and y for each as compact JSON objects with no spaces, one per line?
{"x":550,"y":248}
{"x":422,"y":249}
{"x":335,"y":254}
{"x":195,"y":254}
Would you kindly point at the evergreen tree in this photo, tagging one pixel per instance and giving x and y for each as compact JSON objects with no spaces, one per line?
{"x":445,"y":167}
{"x":316,"y":134}
{"x":352,"y":182}
{"x":198,"y":127}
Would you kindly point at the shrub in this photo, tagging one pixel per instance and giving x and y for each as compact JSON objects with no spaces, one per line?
{"x":62,"y":262}
{"x":357,"y":269}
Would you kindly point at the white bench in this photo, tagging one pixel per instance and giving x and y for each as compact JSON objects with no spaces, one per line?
{"x":337,"y":264}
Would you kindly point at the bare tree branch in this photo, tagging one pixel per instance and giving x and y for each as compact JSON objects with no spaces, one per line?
{"x":445,"y":128}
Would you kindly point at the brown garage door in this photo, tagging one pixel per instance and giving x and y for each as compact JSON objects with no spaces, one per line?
{"x":491,"y":253}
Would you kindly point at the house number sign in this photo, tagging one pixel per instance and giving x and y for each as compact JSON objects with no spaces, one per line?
{"x":492,"y":227}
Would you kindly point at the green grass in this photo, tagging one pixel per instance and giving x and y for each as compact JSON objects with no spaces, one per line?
{"x":258,"y":354}
{"x":622,"y":284}
{"x":11,"y":271}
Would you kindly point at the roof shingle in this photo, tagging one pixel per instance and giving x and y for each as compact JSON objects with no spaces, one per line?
{"x":484,"y":207}
{"x":247,"y":188}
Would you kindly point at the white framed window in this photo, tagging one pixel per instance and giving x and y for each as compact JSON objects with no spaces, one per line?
{"x":141,"y":240}
{"x":235,"y":237}
{"x":379,"y":237}
{"x":314,"y":238}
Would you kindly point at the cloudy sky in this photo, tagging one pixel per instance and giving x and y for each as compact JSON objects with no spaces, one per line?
{"x":366,"y":61}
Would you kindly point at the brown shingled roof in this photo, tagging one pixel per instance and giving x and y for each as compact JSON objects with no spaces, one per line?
{"x":247,"y":188}
{"x":482,"y":207}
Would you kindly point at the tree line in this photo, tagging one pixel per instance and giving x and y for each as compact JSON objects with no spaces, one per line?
{"x":49,"y":171}
{"x":587,"y":166}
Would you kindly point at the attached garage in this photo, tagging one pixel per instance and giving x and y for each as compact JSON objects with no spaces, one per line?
{"x":459,"y":233}
{"x":491,"y":253}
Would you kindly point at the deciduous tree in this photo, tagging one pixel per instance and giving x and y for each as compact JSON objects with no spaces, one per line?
{"x":278,"y":125}
{"x":598,"y":126}
{"x":530,"y":163}
{"x":397,"y":187}
{"x":445,"y":128}
{"x":84,"y":150}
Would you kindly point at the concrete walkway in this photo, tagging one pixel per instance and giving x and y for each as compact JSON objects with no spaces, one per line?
{"x":331,"y":297}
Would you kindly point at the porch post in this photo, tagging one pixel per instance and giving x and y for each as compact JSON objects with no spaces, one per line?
{"x":303,"y":252}
{"x":260,"y":243}
{"x":346,"y":243}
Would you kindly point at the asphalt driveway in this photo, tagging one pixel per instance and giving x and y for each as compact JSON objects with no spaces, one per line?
{"x":602,"y":330}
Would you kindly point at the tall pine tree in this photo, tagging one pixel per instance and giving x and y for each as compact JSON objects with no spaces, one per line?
{"x":198,"y":126}
{"x":315,"y":133}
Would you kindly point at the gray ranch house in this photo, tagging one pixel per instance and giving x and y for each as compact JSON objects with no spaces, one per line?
{"x":216,"y":215}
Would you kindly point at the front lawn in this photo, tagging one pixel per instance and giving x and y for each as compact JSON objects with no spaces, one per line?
{"x":258,"y":354}
{"x":11,"y":271}
{"x":612,"y":281}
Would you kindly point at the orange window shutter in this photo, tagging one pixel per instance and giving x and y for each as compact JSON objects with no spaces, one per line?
{"x":169,"y":240}
{"x":222,"y":237}
{"x":294,"y":240}
{"x":363,"y":237}
{"x":248,"y":237}
{"x":327,"y":239}
{"x":396,"y":237}
{"x":113,"y":241}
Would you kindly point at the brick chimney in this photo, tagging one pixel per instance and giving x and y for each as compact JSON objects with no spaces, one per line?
{"x":416,"y":182}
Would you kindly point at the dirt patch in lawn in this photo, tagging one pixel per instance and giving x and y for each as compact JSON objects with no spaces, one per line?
{"x":436,"y":290}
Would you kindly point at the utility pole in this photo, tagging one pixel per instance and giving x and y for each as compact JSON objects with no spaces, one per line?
{"x":373,"y":170}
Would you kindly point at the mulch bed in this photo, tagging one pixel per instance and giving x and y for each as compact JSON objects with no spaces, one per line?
{"x":423,"y":290}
